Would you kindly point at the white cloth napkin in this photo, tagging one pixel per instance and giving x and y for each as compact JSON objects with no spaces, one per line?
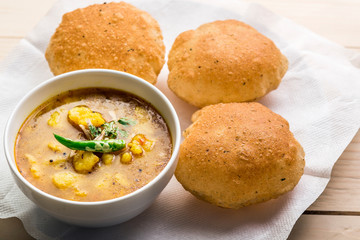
{"x":319,"y":96}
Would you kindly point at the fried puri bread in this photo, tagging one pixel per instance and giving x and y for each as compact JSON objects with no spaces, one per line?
{"x":238,"y":154}
{"x":114,"y":36}
{"x":224,"y":61}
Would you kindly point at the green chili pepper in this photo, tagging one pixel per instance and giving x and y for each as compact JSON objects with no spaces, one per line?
{"x":103,"y":146}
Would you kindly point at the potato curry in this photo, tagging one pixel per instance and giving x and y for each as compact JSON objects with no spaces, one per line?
{"x":92,"y":144}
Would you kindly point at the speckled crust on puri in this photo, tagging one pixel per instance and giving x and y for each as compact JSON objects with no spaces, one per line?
{"x":114,"y":35}
{"x":224,"y":61}
{"x":238,"y":154}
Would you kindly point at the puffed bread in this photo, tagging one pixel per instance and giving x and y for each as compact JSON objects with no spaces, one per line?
{"x":238,"y":154}
{"x":113,"y":36}
{"x":224,"y":61}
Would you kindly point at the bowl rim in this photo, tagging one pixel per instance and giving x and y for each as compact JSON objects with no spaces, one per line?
{"x":173,"y":158}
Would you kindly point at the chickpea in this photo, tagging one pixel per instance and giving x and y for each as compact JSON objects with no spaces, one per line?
{"x":126,"y":158}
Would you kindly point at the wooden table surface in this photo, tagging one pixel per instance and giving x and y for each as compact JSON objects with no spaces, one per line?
{"x":336,"y":214}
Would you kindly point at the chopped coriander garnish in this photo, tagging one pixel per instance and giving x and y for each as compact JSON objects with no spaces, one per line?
{"x":94,"y":131}
{"x":123,"y":133}
{"x":111,"y":130}
{"x":126,"y":121}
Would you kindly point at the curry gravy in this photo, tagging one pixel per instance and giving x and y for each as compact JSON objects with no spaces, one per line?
{"x":47,"y":164}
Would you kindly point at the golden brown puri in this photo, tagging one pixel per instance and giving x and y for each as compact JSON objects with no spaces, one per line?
{"x":224,"y":61}
{"x":114,"y":36}
{"x":237,"y":154}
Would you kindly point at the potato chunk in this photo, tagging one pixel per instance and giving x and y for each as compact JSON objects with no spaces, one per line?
{"x":122,"y":180}
{"x":104,"y":182}
{"x":107,"y":158}
{"x":35,"y":171}
{"x":80,"y":192}
{"x":80,"y":116}
{"x":54,"y":119}
{"x":84,"y":162}
{"x":64,"y":180}
{"x":54,"y":147}
{"x":34,"y":166}
{"x":148,"y":145}
{"x":139,"y":143}
{"x":135,"y":148}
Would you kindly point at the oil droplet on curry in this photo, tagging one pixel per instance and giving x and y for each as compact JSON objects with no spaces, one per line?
{"x":76,"y":170}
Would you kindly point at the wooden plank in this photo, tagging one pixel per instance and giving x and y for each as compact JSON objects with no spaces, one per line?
{"x":326,"y":18}
{"x":343,"y":191}
{"x":18,"y":17}
{"x":7,"y":227}
{"x":321,"y":227}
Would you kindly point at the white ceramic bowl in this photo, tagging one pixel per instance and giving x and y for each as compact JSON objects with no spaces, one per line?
{"x":102,"y":213}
